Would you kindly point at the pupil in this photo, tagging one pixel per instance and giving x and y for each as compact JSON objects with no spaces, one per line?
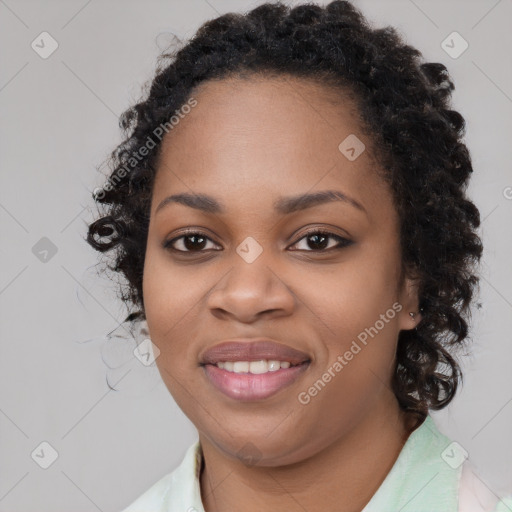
{"x":192,"y":246}
{"x":317,"y":236}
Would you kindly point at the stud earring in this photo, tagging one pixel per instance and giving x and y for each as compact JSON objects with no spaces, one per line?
{"x":412,"y":314}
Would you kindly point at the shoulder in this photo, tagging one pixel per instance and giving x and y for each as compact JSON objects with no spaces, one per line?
{"x":432,"y":473}
{"x":152,"y":499}
{"x":476,"y":496}
{"x":177,"y":490}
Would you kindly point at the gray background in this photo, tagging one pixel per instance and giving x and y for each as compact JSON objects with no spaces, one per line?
{"x":59,"y":121}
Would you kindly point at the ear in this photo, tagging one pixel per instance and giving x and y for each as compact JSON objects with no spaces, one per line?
{"x":409,"y":300}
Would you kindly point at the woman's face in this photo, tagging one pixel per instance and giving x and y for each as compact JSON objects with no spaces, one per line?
{"x":249,"y":269}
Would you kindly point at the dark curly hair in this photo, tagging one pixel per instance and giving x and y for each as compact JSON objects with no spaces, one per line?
{"x":404,"y":105}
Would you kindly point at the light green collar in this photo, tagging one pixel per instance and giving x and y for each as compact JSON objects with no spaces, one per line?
{"x":424,"y":478}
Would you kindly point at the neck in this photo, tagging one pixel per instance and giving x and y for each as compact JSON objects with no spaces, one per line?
{"x":343,"y":476}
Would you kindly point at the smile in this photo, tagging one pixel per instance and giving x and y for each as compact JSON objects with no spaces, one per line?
{"x":253,"y":380}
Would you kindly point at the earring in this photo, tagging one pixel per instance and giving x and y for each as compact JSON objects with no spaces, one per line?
{"x":412,"y":315}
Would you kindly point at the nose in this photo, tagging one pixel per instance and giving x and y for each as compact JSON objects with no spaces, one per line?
{"x":250,"y":291}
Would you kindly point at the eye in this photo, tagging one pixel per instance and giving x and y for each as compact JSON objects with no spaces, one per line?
{"x":195,"y":241}
{"x":192,"y":241}
{"x":319,"y":240}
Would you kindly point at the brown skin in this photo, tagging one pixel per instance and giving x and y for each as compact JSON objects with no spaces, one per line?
{"x":248,"y":142}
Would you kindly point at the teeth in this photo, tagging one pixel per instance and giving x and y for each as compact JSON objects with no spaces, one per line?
{"x":262,"y":366}
{"x":241,"y":366}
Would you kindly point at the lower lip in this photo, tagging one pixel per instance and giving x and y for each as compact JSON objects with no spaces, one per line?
{"x":252,"y":386}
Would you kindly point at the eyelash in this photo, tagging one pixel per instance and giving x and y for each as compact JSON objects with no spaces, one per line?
{"x":342,"y":242}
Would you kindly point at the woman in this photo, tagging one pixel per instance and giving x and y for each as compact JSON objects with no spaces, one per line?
{"x":289,"y":212}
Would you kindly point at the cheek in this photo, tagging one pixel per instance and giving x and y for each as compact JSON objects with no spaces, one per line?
{"x":171,"y":301}
{"x":353,"y":297}
{"x":356,"y":316}
{"x":356,"y":363}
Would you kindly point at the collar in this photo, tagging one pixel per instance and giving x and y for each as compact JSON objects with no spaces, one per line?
{"x":424,"y":477}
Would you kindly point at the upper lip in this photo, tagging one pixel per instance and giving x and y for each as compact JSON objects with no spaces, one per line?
{"x":252,"y":350}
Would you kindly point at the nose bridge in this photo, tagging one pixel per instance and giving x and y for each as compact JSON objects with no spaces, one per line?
{"x":252,"y":271}
{"x":253,"y":283}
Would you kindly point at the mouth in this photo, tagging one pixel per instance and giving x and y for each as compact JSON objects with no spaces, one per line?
{"x":253,"y":380}
{"x":253,"y":370}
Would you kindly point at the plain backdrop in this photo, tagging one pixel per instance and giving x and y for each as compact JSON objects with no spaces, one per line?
{"x":59,"y":121}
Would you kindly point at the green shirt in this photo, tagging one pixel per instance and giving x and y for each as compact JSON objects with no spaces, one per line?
{"x":429,"y":475}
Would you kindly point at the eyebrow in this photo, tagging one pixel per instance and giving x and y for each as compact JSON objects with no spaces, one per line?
{"x":282,"y":206}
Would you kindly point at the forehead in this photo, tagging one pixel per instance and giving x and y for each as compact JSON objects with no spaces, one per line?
{"x":293,"y":107}
{"x":280,"y":136}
